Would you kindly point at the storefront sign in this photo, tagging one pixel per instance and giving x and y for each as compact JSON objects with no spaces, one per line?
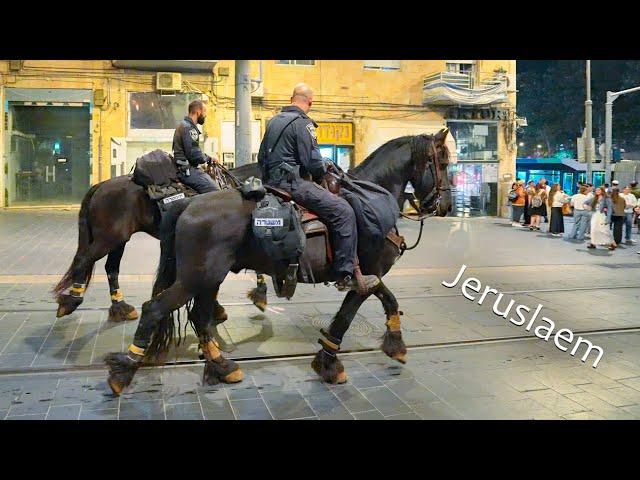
{"x":489,"y":172}
{"x":335,"y":133}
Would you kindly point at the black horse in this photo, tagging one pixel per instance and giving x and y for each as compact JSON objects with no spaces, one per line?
{"x":213,"y":236}
{"x":110,"y":213}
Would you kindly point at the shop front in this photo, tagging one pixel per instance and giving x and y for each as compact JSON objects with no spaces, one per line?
{"x":475,"y":175}
{"x":47,"y":157}
{"x":564,"y":171}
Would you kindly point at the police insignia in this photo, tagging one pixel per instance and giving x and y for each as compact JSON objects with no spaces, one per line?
{"x":194,"y":134}
{"x":312,"y":131}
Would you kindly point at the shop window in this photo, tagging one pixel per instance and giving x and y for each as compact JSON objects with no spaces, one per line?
{"x":304,"y":63}
{"x":385,"y":65}
{"x":149,"y":111}
{"x":475,"y":142}
{"x":598,"y":179}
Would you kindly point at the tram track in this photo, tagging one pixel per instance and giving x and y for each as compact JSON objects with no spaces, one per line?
{"x":73,"y":369}
{"x":326,"y":301}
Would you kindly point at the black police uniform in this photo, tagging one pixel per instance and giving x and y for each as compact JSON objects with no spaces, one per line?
{"x":187,"y":154}
{"x":290,"y":142}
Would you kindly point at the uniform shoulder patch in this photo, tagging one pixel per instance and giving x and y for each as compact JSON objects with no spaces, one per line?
{"x":312,"y":131}
{"x":194,"y":134}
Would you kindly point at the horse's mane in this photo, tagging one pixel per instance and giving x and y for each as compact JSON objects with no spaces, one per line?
{"x":376,"y":168}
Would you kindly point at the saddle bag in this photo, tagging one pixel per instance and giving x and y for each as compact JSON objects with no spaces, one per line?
{"x":376,"y":210}
{"x":155,"y":168}
{"x":277,"y":227}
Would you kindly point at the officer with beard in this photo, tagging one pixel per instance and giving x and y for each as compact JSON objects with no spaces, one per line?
{"x":187,"y":153}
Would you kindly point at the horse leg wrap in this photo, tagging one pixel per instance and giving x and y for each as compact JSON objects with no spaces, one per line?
{"x":77,"y":290}
{"x":392,"y":343}
{"x":123,"y":367}
{"x":326,"y":362}
{"x":217,"y":368}
{"x":120,"y":311}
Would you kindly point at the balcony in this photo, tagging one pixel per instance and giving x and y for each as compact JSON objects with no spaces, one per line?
{"x":447,"y":88}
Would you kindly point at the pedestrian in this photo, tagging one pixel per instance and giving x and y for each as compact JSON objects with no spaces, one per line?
{"x":634,"y":189}
{"x":581,"y":215}
{"x":555,"y":201}
{"x":630,"y":203}
{"x":538,"y":208}
{"x":618,"y":215}
{"x":607,"y":189}
{"x":517,"y":206}
{"x":529,"y":191}
{"x":547,"y":188}
{"x":602,"y":209}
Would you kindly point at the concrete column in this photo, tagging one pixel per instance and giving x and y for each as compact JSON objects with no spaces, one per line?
{"x":243,"y":113}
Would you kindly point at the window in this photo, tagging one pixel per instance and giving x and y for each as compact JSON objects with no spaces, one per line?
{"x":306,"y":63}
{"x":152,"y":111}
{"x":475,"y":142}
{"x":385,"y":65}
{"x":466,"y":67}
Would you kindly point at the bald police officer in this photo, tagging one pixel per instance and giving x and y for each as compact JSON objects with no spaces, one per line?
{"x":288,"y":154}
{"x":187,"y":153}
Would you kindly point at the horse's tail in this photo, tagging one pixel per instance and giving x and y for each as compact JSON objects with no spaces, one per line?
{"x":165,"y":330}
{"x":84,"y":239}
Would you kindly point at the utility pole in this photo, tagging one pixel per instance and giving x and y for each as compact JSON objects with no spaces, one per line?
{"x":608,"y":125}
{"x":243,"y":113}
{"x":588,"y":152}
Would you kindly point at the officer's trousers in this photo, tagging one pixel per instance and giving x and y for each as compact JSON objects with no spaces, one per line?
{"x":200,"y":181}
{"x":336,"y":213}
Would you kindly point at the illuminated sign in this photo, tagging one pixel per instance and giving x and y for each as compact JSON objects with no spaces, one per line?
{"x":336,"y":133}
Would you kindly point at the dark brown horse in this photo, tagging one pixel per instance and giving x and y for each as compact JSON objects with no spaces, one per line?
{"x":110,"y":213}
{"x":220,"y":222}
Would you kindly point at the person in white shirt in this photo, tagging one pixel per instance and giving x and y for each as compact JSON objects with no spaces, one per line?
{"x":587,"y":233}
{"x":547,"y":189}
{"x":630,"y":203}
{"x":581,"y":216}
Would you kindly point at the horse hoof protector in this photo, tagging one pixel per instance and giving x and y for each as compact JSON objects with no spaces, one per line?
{"x":400,"y":357}
{"x":234,"y":377}
{"x":341,"y":378}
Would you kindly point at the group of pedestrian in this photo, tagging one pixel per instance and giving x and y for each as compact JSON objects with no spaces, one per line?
{"x":599,"y":213}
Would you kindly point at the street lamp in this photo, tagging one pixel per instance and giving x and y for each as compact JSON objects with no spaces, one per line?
{"x":521,"y":144}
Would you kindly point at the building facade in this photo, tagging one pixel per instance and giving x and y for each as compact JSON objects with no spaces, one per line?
{"x":69,"y":124}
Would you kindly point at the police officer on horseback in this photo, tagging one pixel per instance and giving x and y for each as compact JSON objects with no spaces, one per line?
{"x":187,"y":153}
{"x":289,"y":158}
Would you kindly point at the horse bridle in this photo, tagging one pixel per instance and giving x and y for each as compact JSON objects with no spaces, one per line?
{"x":413,"y":200}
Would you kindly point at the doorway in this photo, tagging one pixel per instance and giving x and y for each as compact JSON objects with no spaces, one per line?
{"x":49,"y":154}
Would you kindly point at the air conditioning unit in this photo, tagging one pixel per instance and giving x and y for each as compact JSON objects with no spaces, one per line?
{"x":169,"y":81}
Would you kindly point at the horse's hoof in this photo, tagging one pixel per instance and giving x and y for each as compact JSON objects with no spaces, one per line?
{"x":122,"y":312}
{"x":121,"y":371}
{"x":221,"y":370}
{"x":259,"y":297}
{"x":220,"y":315}
{"x":393,"y":346}
{"x":329,"y":368}
{"x":67,"y":304}
{"x":400,"y":357}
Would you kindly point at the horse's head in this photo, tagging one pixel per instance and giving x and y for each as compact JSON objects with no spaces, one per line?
{"x":431,"y":177}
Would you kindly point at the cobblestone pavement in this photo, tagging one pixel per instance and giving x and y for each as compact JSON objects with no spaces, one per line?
{"x":520,"y":377}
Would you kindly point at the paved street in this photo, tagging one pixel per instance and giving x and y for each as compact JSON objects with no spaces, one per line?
{"x":464,"y":361}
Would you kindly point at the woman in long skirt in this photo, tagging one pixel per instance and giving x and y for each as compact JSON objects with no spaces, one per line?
{"x":600,"y":219}
{"x":556,"y":198}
